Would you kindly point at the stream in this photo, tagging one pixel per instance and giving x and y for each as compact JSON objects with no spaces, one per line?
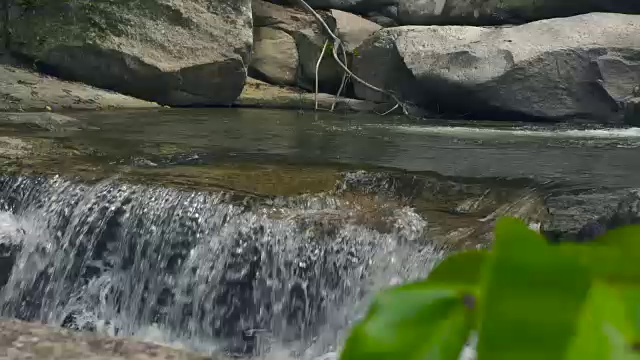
{"x":266,"y":233}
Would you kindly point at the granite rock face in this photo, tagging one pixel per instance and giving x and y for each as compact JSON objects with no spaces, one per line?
{"x":575,"y":67}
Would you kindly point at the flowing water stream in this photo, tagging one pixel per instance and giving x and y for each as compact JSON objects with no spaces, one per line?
{"x":212,"y":261}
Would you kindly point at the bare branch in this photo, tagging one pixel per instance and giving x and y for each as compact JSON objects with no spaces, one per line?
{"x":324,"y":48}
{"x":343,"y":82}
{"x":338,"y":44}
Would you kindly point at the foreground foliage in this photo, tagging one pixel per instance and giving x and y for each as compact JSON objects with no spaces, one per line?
{"x":524,"y":299}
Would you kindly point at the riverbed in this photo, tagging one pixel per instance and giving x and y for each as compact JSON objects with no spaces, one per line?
{"x":267,"y":232}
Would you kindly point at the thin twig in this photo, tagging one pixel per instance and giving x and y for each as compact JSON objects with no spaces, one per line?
{"x":390,"y":110}
{"x":324,"y":48}
{"x":343,"y":82}
{"x":337,"y":44}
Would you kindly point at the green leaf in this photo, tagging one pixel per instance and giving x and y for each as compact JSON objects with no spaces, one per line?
{"x":625,"y":237}
{"x":612,"y":257}
{"x":412,"y":322}
{"x":532,"y":295}
{"x":604,"y":330}
{"x":463,"y":269}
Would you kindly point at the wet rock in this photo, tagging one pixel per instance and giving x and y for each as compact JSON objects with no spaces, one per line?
{"x":382,"y":20}
{"x":46,"y":121}
{"x":191,"y":52}
{"x":22,"y":340}
{"x":22,"y":89}
{"x":11,"y":147}
{"x":585,"y":215}
{"x":632,"y":111}
{"x":11,"y":234}
{"x":576,"y":67}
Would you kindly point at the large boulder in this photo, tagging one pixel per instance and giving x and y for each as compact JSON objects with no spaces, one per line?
{"x":473,"y":12}
{"x":190,"y":52}
{"x":469,"y":12}
{"x":280,"y":30}
{"x":581,"y":66}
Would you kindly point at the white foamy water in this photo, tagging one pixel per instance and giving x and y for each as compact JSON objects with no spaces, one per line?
{"x":194,"y":270}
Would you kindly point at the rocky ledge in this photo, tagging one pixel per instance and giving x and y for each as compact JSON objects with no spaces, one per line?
{"x":537,"y":61}
{"x":25,"y":90}
{"x":22,"y":341}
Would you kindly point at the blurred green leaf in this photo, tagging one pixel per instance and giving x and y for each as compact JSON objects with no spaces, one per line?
{"x":532,"y":296}
{"x":463,"y":269}
{"x":412,"y":322}
{"x":612,"y":257}
{"x":604,"y":330}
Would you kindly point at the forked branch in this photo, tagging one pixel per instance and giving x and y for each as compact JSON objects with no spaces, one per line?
{"x":337,"y":43}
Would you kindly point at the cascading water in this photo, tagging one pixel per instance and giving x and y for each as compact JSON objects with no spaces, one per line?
{"x":209,"y":271}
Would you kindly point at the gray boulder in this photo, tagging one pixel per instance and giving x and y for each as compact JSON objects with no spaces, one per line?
{"x":469,"y":12}
{"x":473,"y":12}
{"x":352,"y":29}
{"x":190,"y":52}
{"x":581,"y":66}
{"x":281,"y":30}
{"x":275,"y":56}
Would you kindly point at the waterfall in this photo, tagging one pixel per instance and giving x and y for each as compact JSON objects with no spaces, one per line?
{"x":210,"y":271}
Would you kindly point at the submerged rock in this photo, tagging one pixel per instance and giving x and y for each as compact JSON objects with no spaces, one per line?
{"x":577,"y":67}
{"x":22,"y":89}
{"x":46,"y":121}
{"x":191,"y":52}
{"x":21,"y":340}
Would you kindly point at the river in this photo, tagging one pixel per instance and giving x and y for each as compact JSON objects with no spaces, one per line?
{"x":267,"y":232}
